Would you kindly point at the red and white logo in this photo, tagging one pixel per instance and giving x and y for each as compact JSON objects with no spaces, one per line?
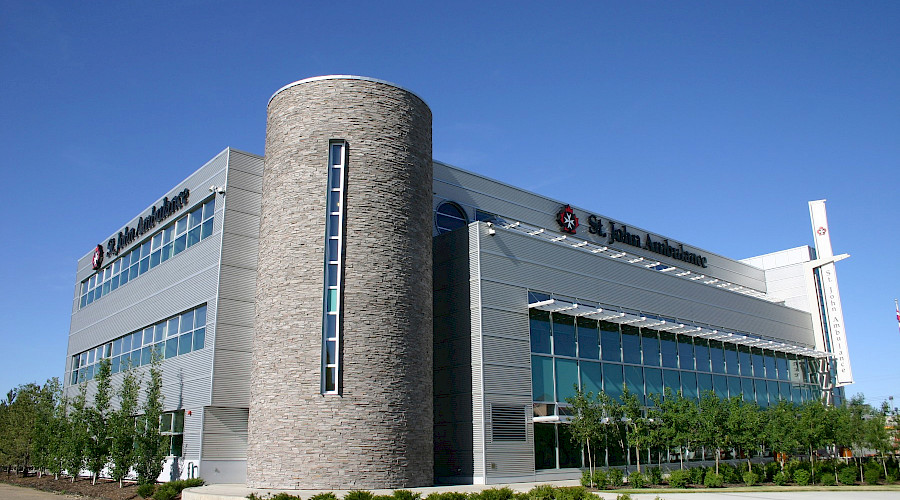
{"x":567,"y":220}
{"x":97,"y":260}
{"x":821,"y":231}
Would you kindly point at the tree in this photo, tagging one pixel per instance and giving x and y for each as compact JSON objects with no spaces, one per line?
{"x":76,"y":434}
{"x":877,"y":435}
{"x":150,"y":451}
{"x":633,"y":420}
{"x":811,"y":431}
{"x":59,"y":435}
{"x":42,"y":445}
{"x":585,"y":424}
{"x":780,"y":429}
{"x":745,"y":424}
{"x":122,"y":429}
{"x":713,"y":431}
{"x":17,"y":426}
{"x":97,"y":416}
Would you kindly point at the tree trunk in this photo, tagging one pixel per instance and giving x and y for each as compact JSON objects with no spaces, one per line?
{"x":590,"y":464}
{"x":717,"y":460}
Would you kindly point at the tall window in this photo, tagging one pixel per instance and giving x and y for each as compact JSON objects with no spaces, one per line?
{"x":334,"y":250}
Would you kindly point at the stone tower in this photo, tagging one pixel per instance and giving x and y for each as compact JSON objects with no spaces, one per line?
{"x":341,"y":388}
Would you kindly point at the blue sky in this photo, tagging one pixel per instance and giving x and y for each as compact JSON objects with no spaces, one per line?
{"x":710,"y":122}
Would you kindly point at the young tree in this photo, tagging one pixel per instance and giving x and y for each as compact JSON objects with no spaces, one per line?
{"x":744,"y":423}
{"x":76,"y":434}
{"x":97,"y":445}
{"x":877,"y":436}
{"x":58,"y":435}
{"x":811,"y":431}
{"x":17,"y":433}
{"x":780,"y":429}
{"x":713,"y":430}
{"x":150,"y":451}
{"x":585,"y":424}
{"x":44,"y":425}
{"x":122,"y":429}
{"x":637,"y":430}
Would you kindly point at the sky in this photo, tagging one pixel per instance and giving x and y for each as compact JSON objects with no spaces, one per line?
{"x":713,"y":123}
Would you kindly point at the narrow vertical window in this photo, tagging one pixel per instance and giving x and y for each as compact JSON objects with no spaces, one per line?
{"x":334,"y":249}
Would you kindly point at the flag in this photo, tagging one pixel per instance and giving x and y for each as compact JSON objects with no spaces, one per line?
{"x":898,"y":313}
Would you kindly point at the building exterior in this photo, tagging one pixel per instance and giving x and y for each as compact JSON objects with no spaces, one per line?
{"x":348,"y":313}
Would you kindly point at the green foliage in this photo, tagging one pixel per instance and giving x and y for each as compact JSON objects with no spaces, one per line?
{"x":750,"y":478}
{"x":406,"y":495}
{"x":636,"y":480}
{"x":872,"y":475}
{"x":447,"y":495}
{"x":122,"y":431}
{"x":383,"y":497}
{"x":323,"y":496}
{"x":586,"y":478}
{"x":827,"y":479}
{"x":146,"y":490}
{"x":181,"y":484}
{"x":542,"y":492}
{"x":713,"y":480}
{"x":654,"y":475}
{"x":150,"y":451}
{"x":489,"y":494}
{"x":771,"y":469}
{"x":97,"y":415}
{"x":697,"y":474}
{"x":165,"y":492}
{"x":615,"y":478}
{"x":359,"y":495}
{"x":679,"y":478}
{"x":76,"y":434}
{"x":729,"y":473}
{"x":623,"y":496}
{"x":801,"y":477}
{"x":573,"y":493}
{"x":781,"y":478}
{"x":601,"y":479}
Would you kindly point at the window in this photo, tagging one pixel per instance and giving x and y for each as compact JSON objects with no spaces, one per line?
{"x":180,"y":334}
{"x":157,"y":248}
{"x":334,"y":249}
{"x":449,"y":216}
{"x":171,"y":426}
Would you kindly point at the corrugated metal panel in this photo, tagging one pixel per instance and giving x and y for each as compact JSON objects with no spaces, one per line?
{"x":242,"y":200}
{"x":244,"y":180}
{"x":237,"y":283}
{"x":506,"y":379}
{"x":478,"y":430}
{"x":225,"y":433}
{"x":231,"y":391}
{"x":241,"y":223}
{"x":503,"y":296}
{"x":235,"y":312}
{"x":532,"y":264}
{"x":472,"y":190}
{"x":234,"y":337}
{"x":507,"y":352}
{"x":246,"y":162}
{"x":506,"y":323}
{"x":240,"y":251}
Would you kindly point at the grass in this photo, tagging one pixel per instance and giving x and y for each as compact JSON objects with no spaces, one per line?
{"x":758,"y":489}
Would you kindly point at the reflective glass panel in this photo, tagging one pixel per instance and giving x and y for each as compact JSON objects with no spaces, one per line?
{"x":650,"y":347}
{"x":685,"y":352}
{"x":716,"y":356}
{"x":731,"y":359}
{"x":634,"y":381}
{"x":669,"y":350}
{"x":610,"y":342}
{"x":563,"y":335}
{"x":612,"y":379}
{"x":653,"y":383}
{"x":542,"y":378}
{"x":631,"y":344}
{"x":689,"y":384}
{"x":566,"y":379}
{"x":540,"y":331}
{"x":701,"y":354}
{"x":588,"y":339}
{"x":591,"y":377}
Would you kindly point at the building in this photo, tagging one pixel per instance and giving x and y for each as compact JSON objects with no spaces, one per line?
{"x":348,"y":313}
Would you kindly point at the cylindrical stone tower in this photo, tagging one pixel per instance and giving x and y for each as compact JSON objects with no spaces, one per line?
{"x":341,"y":388}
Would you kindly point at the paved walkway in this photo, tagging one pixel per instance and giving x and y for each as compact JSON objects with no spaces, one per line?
{"x":10,"y":492}
{"x":238,"y":492}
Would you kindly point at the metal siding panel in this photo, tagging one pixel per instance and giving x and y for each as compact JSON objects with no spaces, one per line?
{"x":240,"y":251}
{"x":241,"y":223}
{"x":244,"y":180}
{"x":508,"y":324}
{"x":531,"y":263}
{"x":478,"y":427}
{"x":507,"y":380}
{"x":245,"y":162}
{"x":237,"y":283}
{"x":234,"y":337}
{"x":225,"y":433}
{"x":508,"y":352}
{"x":242,"y":200}
{"x":235,"y":312}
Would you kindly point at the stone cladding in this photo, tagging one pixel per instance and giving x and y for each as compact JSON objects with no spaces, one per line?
{"x":378,"y":432}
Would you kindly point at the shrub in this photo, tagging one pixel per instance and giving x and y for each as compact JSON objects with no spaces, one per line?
{"x":729,"y":473}
{"x":872,"y":475}
{"x":280,"y":496}
{"x":679,"y":478}
{"x":542,"y":492}
{"x":186,"y":483}
{"x":615,"y":477}
{"x":801,"y":477}
{"x":572,"y":493}
{"x":636,"y":480}
{"x":781,"y":478}
{"x":771,"y":469}
{"x":601,"y":479}
{"x":447,"y":495}
{"x":847,"y":475}
{"x":654,"y":475}
{"x":359,"y":495}
{"x":493,"y":494}
{"x":323,"y":496}
{"x":406,"y":495}
{"x":697,"y":474}
{"x":827,"y":479}
{"x":165,"y":492}
{"x":146,"y":490}
{"x":750,"y":478}
{"x":383,"y":497}
{"x":891,"y":477}
{"x":713,"y":480}
{"x":623,"y":496}
{"x":586,"y":478}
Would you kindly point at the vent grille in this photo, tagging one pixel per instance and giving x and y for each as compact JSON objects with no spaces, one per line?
{"x":508,"y":423}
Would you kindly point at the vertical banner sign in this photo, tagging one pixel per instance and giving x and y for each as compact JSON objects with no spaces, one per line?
{"x":830,"y":295}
